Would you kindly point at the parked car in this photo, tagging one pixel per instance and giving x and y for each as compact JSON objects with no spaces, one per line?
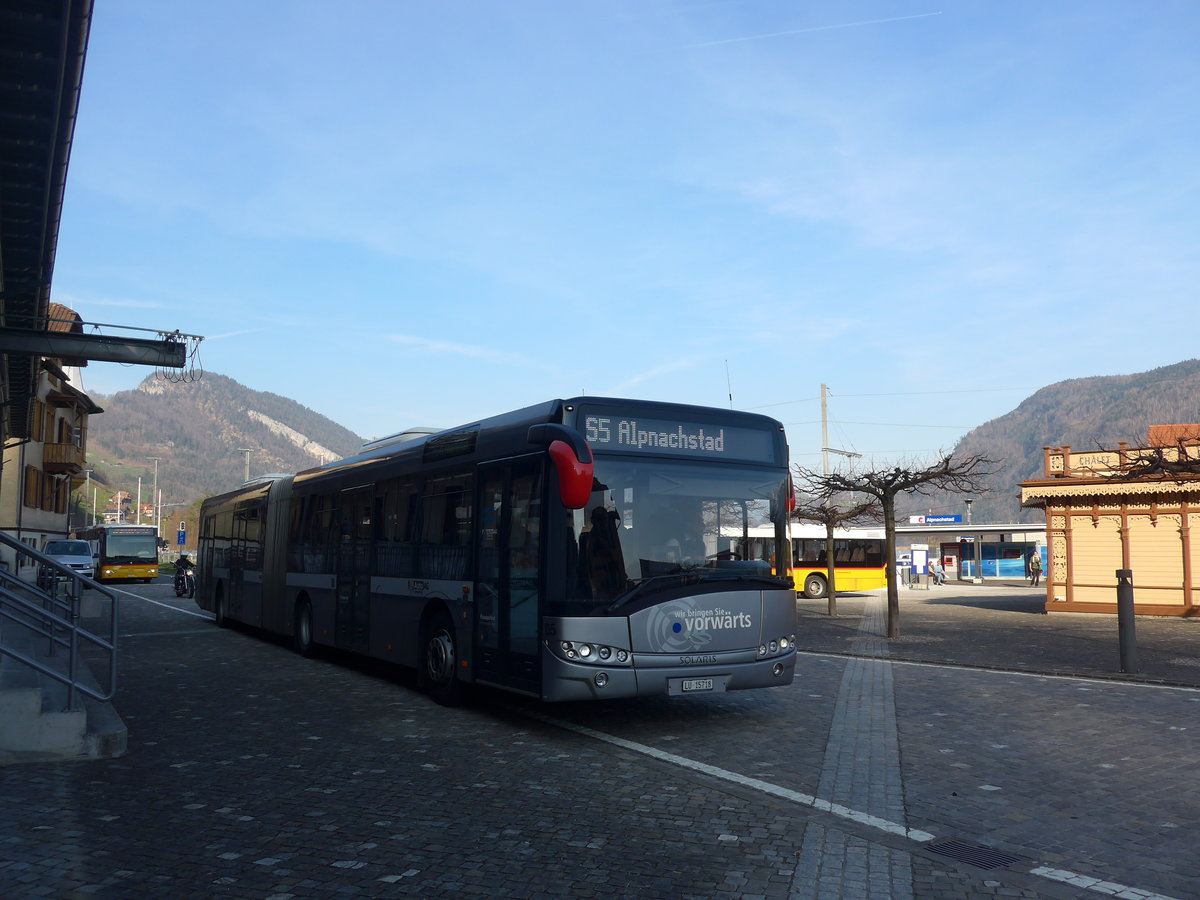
{"x":73,"y":554}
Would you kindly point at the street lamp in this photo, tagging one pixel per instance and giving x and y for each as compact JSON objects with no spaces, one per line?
{"x":968,"y":501}
{"x":247,"y":451}
{"x":154,"y":499}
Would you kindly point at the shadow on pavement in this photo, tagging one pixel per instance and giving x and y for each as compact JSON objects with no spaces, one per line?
{"x":1001,"y":627}
{"x":1033,"y":605}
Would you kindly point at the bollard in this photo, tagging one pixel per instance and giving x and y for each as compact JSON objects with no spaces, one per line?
{"x":1126,"y":630}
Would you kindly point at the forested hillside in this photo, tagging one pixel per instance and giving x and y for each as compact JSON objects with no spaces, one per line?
{"x":1083,"y":413}
{"x":198,"y":430}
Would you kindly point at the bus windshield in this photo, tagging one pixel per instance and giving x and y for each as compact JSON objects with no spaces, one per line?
{"x":648,"y":518}
{"x":134,"y":547}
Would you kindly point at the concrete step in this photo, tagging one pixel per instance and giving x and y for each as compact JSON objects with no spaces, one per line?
{"x":36,"y":726}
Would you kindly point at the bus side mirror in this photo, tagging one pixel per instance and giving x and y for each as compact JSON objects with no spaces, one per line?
{"x":572,"y":459}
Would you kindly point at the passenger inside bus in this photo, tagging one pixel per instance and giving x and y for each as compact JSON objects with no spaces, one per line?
{"x":600,"y":555}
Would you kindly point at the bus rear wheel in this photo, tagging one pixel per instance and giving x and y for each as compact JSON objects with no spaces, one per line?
{"x":814,"y":587}
{"x":219,"y":615}
{"x":437,"y":669}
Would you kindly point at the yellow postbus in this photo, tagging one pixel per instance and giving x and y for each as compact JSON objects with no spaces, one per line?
{"x":123,"y":552}
{"x":858,"y":556}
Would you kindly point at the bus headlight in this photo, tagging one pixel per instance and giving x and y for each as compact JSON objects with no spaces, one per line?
{"x":581,"y":651}
{"x":601,"y":679}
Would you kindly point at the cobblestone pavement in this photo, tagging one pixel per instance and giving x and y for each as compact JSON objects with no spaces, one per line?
{"x":254,"y":773}
{"x":1005,"y":626}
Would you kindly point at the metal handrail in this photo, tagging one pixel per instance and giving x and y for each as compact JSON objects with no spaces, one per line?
{"x":56,"y":619}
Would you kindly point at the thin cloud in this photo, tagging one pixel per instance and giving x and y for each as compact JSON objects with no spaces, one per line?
{"x":472,"y":352}
{"x":230,"y":334}
{"x":775,"y":34}
{"x":75,"y":302}
{"x":664,"y":369}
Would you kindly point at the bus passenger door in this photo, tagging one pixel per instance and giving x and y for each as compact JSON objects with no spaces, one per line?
{"x":353,"y":609}
{"x":508,"y":563}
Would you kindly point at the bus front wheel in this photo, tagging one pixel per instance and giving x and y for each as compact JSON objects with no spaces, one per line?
{"x":437,"y":670}
{"x":303,"y":636}
{"x":219,"y":615}
{"x":814,"y":586}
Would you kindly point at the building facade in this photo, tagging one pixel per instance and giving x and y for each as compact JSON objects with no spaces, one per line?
{"x":39,"y":473}
{"x":1128,"y":508}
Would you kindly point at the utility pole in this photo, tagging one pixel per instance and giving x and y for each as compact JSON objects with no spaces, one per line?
{"x":247,"y":451}
{"x":155,"y":499}
{"x":825,"y":448}
{"x":824,"y":430}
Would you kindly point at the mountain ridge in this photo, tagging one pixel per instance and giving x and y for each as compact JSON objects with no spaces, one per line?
{"x":1094,"y":412}
{"x":199,"y":432}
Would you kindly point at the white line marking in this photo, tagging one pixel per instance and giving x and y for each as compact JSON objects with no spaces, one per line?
{"x":733,"y":777}
{"x":142,"y":634}
{"x":1108,"y":682}
{"x":1112,"y":888}
{"x":186,"y":612}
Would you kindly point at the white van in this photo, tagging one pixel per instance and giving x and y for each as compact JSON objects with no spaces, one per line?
{"x":73,"y":554}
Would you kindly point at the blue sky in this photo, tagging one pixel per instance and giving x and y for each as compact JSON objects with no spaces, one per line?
{"x":428,"y":211}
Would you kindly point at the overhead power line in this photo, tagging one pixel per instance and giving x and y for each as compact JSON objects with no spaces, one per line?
{"x":896,"y":394}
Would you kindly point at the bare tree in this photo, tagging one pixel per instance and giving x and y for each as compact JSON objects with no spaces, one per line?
{"x":815,"y":503}
{"x":1179,"y":463}
{"x":965,"y":475}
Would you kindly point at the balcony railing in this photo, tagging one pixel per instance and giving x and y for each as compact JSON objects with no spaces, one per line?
{"x":60,"y":459}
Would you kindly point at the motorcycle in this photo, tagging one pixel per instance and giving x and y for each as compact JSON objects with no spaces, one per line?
{"x":185,"y":581}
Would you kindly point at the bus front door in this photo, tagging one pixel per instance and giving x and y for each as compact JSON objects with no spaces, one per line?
{"x":507,"y":623}
{"x":352,"y":614}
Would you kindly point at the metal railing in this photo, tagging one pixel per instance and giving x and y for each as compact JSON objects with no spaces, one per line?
{"x":49,"y":612}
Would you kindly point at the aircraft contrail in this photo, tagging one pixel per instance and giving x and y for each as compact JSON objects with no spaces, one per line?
{"x":759,"y":37}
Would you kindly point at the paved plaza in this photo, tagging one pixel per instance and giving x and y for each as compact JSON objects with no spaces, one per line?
{"x":927,"y":766}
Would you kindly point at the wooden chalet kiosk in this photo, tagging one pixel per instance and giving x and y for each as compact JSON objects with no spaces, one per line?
{"x":1129,"y":508}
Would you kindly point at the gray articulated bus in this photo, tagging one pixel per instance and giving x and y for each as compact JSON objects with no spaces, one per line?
{"x":572,"y":550}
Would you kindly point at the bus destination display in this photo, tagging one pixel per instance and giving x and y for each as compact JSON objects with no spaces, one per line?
{"x":636,"y":434}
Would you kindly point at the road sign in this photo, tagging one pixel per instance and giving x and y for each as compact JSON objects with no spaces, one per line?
{"x":181,"y":537}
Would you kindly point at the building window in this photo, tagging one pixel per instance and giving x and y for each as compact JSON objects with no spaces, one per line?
{"x":33,"y":486}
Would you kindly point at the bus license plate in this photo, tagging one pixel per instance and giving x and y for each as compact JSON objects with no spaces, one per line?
{"x":697,"y":684}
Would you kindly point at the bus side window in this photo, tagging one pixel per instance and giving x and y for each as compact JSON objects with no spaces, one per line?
{"x":446,"y":517}
{"x":396,"y":547}
{"x":317,"y":533}
{"x":295,"y":562}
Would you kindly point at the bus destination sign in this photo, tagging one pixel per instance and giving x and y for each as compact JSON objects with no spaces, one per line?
{"x":637,"y":434}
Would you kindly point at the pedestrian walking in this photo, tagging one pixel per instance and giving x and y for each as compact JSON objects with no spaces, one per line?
{"x":1035,"y":569}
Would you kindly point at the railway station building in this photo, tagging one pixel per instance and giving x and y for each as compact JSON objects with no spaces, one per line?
{"x":1128,"y":508}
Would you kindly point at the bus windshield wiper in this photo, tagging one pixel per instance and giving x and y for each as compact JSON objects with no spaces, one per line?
{"x":686,"y":577}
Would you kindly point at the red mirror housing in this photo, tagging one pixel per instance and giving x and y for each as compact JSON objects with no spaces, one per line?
{"x":574,"y":474}
{"x":572,"y":460}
